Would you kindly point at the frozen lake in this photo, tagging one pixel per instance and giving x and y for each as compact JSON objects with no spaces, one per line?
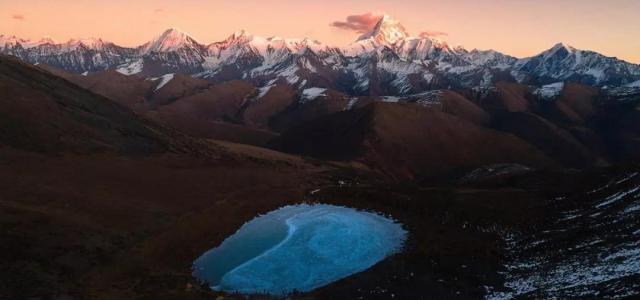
{"x":299,"y":248}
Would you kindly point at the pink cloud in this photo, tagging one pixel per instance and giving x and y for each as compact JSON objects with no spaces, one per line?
{"x":158,"y":10}
{"x":358,"y":23}
{"x":426,"y":34}
{"x":19,"y":17}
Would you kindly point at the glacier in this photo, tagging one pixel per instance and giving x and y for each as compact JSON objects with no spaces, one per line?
{"x":299,"y":248}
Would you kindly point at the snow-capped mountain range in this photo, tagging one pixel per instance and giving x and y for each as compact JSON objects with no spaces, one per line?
{"x":385,"y":61}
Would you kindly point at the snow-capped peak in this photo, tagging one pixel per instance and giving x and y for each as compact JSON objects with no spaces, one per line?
{"x":44,"y":41}
{"x":411,"y":62}
{"x":387,"y":31}
{"x":239,"y":35}
{"x":558,"y":48}
{"x":263,"y":45}
{"x":390,"y":34}
{"x":170,"y":40}
{"x":25,"y":43}
{"x":237,"y":38}
{"x":564,"y":46}
{"x":47,"y":40}
{"x":10,"y":40}
{"x":304,"y":44}
{"x":90,"y":43}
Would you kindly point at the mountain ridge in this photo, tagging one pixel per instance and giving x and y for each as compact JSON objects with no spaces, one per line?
{"x":386,"y":60}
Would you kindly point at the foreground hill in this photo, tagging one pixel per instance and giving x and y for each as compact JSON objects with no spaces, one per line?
{"x":553,"y":141}
{"x":235,"y":110}
{"x":43,"y":112}
{"x":181,"y":102}
{"x":407,"y":140}
{"x":91,"y":191}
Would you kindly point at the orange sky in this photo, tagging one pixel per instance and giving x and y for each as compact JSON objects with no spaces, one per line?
{"x":517,"y":27}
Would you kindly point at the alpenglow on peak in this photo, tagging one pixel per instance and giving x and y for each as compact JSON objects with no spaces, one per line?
{"x":170,"y":40}
{"x":387,"y":31}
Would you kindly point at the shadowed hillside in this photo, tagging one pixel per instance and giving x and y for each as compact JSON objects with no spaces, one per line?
{"x":43,"y":112}
{"x":406,"y":140}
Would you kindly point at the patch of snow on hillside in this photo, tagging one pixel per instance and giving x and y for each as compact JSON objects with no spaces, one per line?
{"x":634,"y":84}
{"x":428,"y":77}
{"x":430,"y":98}
{"x":617,"y":196}
{"x":390,"y":99}
{"x":307,"y":65}
{"x":313,"y":93}
{"x":130,"y":69}
{"x":448,"y":68}
{"x":598,"y":75}
{"x":600,"y":251}
{"x":519,"y":76}
{"x":290,"y":75}
{"x":550,"y":90}
{"x":265,"y":89}
{"x":351,"y":104}
{"x":164,"y":80}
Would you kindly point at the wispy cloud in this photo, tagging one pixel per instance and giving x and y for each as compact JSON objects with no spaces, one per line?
{"x":19,"y":17}
{"x":433,"y":34}
{"x":358,"y":23}
{"x":158,"y":10}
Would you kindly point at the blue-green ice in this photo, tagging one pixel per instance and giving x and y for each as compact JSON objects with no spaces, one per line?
{"x":299,"y":248}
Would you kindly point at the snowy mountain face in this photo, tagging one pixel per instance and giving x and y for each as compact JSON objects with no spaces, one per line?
{"x":563,"y":62}
{"x":418,"y":63}
{"x":11,"y":41}
{"x":77,"y":56}
{"x":171,"y":40}
{"x":384,"y":61}
{"x":386,"y":32}
{"x":173,"y":51}
{"x":266,"y":61}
